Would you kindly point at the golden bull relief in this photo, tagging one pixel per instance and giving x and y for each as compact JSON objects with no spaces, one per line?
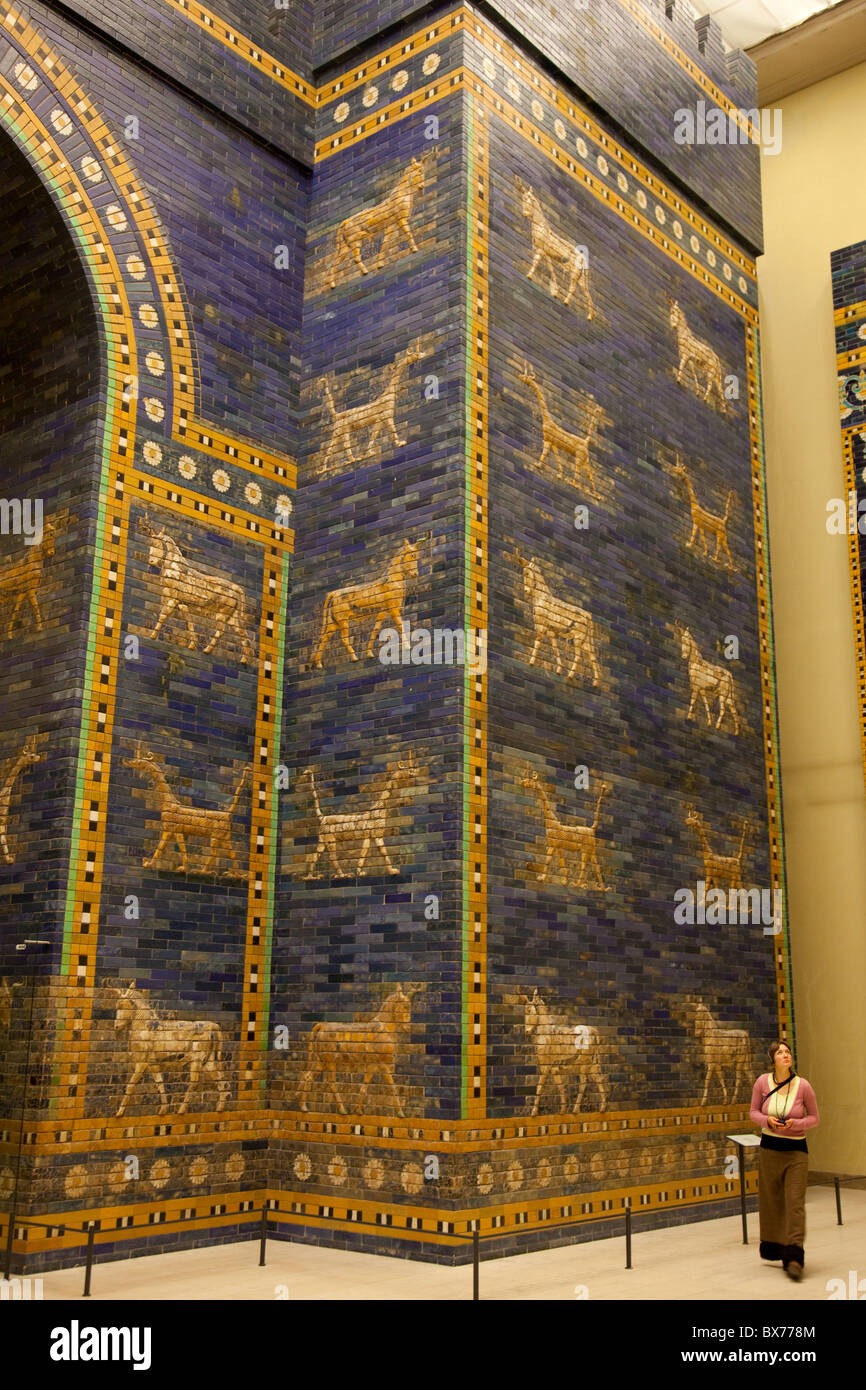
{"x":389,"y":219}
{"x":24,"y":758}
{"x":699,"y":366}
{"x":567,"y":842}
{"x":560,"y":443}
{"x":354,"y":832}
{"x":553,"y":618}
{"x":720,"y":1050}
{"x":368,"y":1048}
{"x":382,"y":597}
{"x":179,"y":822}
{"x":192,"y":590}
{"x":373,"y":418}
{"x":561,"y":1048}
{"x":554,"y":252}
{"x":155,"y":1043}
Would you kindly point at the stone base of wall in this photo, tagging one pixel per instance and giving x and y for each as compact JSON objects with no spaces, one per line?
{"x":371,"y":1242}
{"x":160,"y":1243}
{"x":498,"y":1247}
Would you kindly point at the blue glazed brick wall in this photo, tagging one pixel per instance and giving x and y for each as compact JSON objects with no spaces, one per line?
{"x":286,"y":976}
{"x":615,"y":960}
{"x":50,"y":414}
{"x":345,"y":943}
{"x":593,"y":46}
{"x":193,"y":56}
{"x":227,"y":206}
{"x":229,"y":209}
{"x":193,"y":711}
{"x":50,"y":409}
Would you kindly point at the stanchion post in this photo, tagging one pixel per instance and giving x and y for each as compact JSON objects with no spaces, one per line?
{"x":7,"y":1264}
{"x":476,"y":1263}
{"x":628,"y":1232}
{"x":88,"y":1268}
{"x":264,"y":1236}
{"x":837,"y":1186}
{"x":742,"y":1165}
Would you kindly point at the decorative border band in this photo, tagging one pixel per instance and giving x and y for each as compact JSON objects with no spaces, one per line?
{"x":386,"y":1131}
{"x":475,"y":601}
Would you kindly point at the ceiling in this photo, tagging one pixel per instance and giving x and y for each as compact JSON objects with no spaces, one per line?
{"x":747,"y":22}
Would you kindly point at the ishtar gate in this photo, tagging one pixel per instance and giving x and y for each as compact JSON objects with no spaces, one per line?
{"x":392,"y":640}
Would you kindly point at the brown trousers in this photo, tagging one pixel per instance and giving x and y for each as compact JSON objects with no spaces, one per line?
{"x":782,"y":1197}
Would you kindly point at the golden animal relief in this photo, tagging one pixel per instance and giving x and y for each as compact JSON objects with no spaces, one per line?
{"x":366,"y":1048}
{"x":20,"y":580}
{"x":697,"y":358}
{"x":707,"y":527}
{"x":566,"y":842}
{"x":192,"y":590}
{"x":553,"y":618}
{"x":558,"y":255}
{"x":372,"y":419}
{"x":389,"y":219}
{"x":353,"y":832}
{"x":179,"y":822}
{"x":562,"y":1047}
{"x":155,"y":1043}
{"x":7,"y":1000}
{"x":722,"y":871}
{"x":384,"y":597}
{"x":720,"y":1050}
{"x":564,"y":446}
{"x":707,"y":681}
{"x":11,"y":773}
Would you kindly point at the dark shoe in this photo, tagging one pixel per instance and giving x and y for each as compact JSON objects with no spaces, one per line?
{"x":769,"y":1250}
{"x":793,"y":1259}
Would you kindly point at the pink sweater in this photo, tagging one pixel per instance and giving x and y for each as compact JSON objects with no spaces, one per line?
{"x":802,"y":1112}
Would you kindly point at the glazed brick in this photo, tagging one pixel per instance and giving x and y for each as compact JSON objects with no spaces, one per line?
{"x":327,"y":886}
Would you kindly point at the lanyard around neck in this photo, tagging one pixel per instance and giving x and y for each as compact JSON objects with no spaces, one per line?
{"x":779,"y":1087}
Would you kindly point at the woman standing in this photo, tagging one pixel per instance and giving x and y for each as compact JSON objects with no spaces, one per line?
{"x":784,"y":1105}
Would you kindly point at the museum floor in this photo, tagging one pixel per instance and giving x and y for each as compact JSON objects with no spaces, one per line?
{"x":702,"y":1261}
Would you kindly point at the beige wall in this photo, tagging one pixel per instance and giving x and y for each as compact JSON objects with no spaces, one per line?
{"x":814,"y":203}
